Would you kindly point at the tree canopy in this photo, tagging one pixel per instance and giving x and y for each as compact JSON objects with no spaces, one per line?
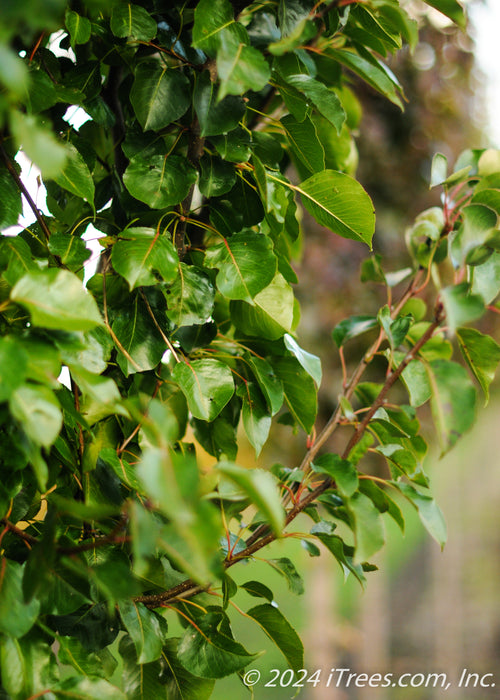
{"x":209,"y":128}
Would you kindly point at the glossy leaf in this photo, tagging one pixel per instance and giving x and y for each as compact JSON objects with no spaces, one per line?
{"x":139,"y":337}
{"x":38,"y":411}
{"x":159,"y":95}
{"x":429,"y":512}
{"x":209,"y":652}
{"x":129,"y":20}
{"x":75,"y":175}
{"x":140,"y":252}
{"x":482,"y":354}
{"x":287,"y":569}
{"x":453,"y":401}
{"x":159,"y":182}
{"x":311,"y":363}
{"x":325,"y":100}
{"x":304,"y":142}
{"x":144,"y":629}
{"x":452,"y":9}
{"x":246,"y":265}
{"x":261,"y":487}
{"x":341,"y":470}
{"x":338,"y":202}
{"x":256,"y":416}
{"x":191,"y":297}
{"x":211,"y":18}
{"x":299,"y":390}
{"x":215,"y":117}
{"x":352,"y":327}
{"x":280,"y":631}
{"x":460,"y":305}
{"x":16,"y":616}
{"x":240,"y":67}
{"x":324,"y":531}
{"x":272,"y":313}
{"x":56,"y":299}
{"x":86,"y":689}
{"x":217,"y":176}
{"x":207,"y":385}
{"x":79,"y":27}
{"x":270,"y":385}
{"x":367,"y":525}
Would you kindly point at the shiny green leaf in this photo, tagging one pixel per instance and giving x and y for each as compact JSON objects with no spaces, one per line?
{"x":326,"y":101}
{"x":75,"y":175}
{"x":482,"y":354}
{"x":262,"y":489}
{"x":339,"y":202}
{"x":304,"y":142}
{"x":367,"y":525}
{"x":207,"y":385}
{"x":16,"y":616}
{"x":240,"y":67}
{"x":270,"y":385}
{"x":453,"y":401}
{"x":56,"y":299}
{"x":272,"y":313}
{"x":311,"y":363}
{"x":191,"y":297}
{"x":140,"y":252}
{"x":159,"y":181}
{"x":144,"y":629}
{"x":280,"y":631}
{"x":352,"y":327}
{"x":159,"y":95}
{"x":300,"y":392}
{"x":429,"y":512}
{"x":128,"y":20}
{"x":246,"y":265}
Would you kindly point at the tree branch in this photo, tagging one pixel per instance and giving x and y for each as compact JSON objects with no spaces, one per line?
{"x":32,"y":205}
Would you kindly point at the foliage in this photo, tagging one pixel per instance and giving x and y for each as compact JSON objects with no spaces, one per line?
{"x":110,"y":526}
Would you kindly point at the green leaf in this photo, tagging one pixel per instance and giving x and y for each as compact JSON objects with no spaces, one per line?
{"x":144,"y":629}
{"x":79,"y":27}
{"x":159,"y":181}
{"x":481,"y":353}
{"x":453,"y":401}
{"x":71,"y":250}
{"x":258,"y":590}
{"x":256,"y":416}
{"x":339,"y":202}
{"x":292,"y":13}
{"x":207,"y":385}
{"x":270,"y":385}
{"x":280,"y":631}
{"x":311,"y":363}
{"x":210,"y":653}
{"x":240,"y":67}
{"x":395,"y":329}
{"x":326,"y":101}
{"x":217,"y":176}
{"x":371,"y":71}
{"x":300,"y":391}
{"x":439,"y":169}
{"x":262,"y":489}
{"x":134,"y":21}
{"x":272,"y":313}
{"x":452,"y":9}
{"x":211,"y":17}
{"x":39,"y":144}
{"x":304,"y":142}
{"x":367,"y":525}
{"x":460,"y":305}
{"x":85,"y":688}
{"x":75,"y":175}
{"x":341,"y":470}
{"x":428,"y":511}
{"x":486,"y":280}
{"x":11,"y":205}
{"x":139,"y":337}
{"x":415,"y":379}
{"x":38,"y":412}
{"x":13,"y":366}
{"x":71,"y":652}
{"x":56,"y":299}
{"x":215,"y":117}
{"x":246,"y":264}
{"x":470,"y":243}
{"x":324,"y":531}
{"x":16,"y":616}
{"x":159,"y":95}
{"x":164,"y":679}
{"x":352,"y":327}
{"x":286,"y":568}
{"x":191,"y":297}
{"x":140,"y":252}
